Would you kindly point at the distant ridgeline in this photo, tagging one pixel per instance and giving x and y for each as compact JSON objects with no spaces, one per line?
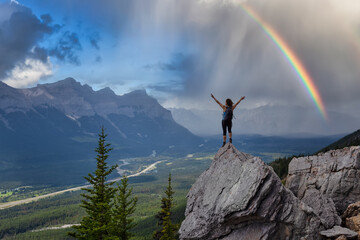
{"x":281,"y":165}
{"x":48,"y":132}
{"x":352,"y":139}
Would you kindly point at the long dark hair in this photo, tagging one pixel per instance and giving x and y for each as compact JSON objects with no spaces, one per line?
{"x":229,"y":102}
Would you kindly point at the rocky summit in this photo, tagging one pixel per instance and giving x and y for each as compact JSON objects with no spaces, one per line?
{"x":240,"y":197}
{"x":327,"y":181}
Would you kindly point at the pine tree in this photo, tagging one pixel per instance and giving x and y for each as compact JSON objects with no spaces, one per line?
{"x":98,"y":199}
{"x":168,"y":230}
{"x":124,"y":207}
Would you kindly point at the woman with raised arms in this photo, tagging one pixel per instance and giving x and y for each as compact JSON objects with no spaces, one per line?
{"x":228,"y":109}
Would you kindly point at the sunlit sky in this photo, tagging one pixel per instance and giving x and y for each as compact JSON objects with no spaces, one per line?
{"x":181,"y":51}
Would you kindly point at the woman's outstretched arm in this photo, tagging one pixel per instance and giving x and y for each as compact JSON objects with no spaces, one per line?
{"x":238,"y":102}
{"x":221,"y":105}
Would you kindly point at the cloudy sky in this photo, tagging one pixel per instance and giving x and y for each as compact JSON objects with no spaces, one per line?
{"x":181,"y":51}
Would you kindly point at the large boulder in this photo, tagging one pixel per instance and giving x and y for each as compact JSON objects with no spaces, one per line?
{"x":240,"y":197}
{"x":351,"y":217}
{"x":327,"y":180}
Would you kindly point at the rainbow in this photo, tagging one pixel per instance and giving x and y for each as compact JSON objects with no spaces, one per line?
{"x":291,"y":57}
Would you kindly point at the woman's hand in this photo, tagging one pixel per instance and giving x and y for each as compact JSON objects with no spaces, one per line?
{"x":242,"y":98}
{"x":212,"y":96}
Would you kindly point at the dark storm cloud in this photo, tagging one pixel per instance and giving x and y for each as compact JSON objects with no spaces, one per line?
{"x":179,"y":63}
{"x":110,"y":15}
{"x":19,"y":35}
{"x":94,"y":40}
{"x":39,"y":53}
{"x":22,"y":33}
{"x":67,"y":48}
{"x":161,"y":66}
{"x":98,"y":59}
{"x":166,"y":87}
{"x":46,"y":18}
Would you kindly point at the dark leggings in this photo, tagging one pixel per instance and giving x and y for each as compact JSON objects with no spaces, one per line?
{"x":228,"y":124}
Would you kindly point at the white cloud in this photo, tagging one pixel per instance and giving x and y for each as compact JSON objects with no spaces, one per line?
{"x":28,"y":73}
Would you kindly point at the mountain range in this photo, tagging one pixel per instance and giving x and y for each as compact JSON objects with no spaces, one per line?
{"x":49,"y":132}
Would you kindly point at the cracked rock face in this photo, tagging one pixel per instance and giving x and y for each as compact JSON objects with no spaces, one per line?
{"x":240,"y":197}
{"x":332,"y":177}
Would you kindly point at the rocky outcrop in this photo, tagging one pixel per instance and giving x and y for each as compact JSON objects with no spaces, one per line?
{"x":240,"y":197}
{"x":327,"y":180}
{"x":352,"y":210}
{"x":338,"y":231}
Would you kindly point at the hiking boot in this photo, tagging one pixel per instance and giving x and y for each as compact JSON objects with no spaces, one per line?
{"x":223,"y":144}
{"x":230,"y":140}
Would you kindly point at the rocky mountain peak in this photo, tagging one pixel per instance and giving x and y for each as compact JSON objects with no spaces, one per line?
{"x":65,"y":84}
{"x":139,"y":92}
{"x":34,"y":122}
{"x":74,"y":99}
{"x":11,"y":98}
{"x":106,"y":91}
{"x":5,"y":88}
{"x":2,"y":84}
{"x":240,"y":197}
{"x":67,"y":81}
{"x":138,"y":95}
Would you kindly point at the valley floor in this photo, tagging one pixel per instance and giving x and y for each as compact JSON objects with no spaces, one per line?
{"x":149,"y":181}
{"x":28,"y":200}
{"x":42,"y":217}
